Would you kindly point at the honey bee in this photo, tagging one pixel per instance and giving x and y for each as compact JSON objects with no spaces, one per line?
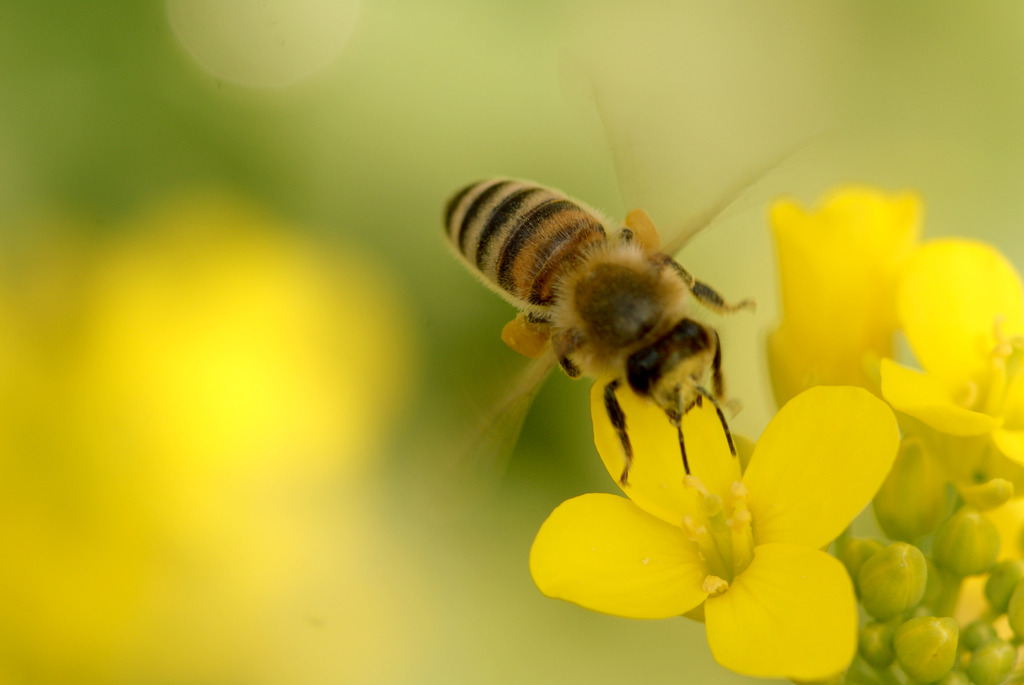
{"x":603,"y":299}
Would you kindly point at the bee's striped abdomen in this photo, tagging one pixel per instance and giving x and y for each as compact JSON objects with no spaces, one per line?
{"x":520,"y":236}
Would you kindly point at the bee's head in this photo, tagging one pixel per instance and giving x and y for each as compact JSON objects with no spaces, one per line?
{"x":668,"y":369}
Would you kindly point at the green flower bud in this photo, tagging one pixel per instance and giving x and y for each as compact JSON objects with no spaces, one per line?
{"x":954,"y":678}
{"x":926,"y":647}
{"x":1015,"y":609}
{"x":935,"y":586}
{"x":875,"y":644}
{"x":853,"y":552}
{"x":919,"y":611}
{"x":966,"y":543}
{"x":992,"y":662}
{"x":976,"y":634}
{"x":892,"y":581}
{"x":990,"y":495}
{"x":1001,"y":581}
{"x":912,"y":501}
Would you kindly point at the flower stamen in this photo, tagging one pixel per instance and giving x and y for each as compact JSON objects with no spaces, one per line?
{"x":1005,"y":380}
{"x":699,"y":535}
{"x":742,"y":536}
{"x":694,"y":483}
{"x":714,"y":585}
{"x":710,"y":530}
{"x":968,"y":396}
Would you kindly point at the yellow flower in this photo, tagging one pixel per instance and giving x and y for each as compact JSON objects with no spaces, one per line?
{"x":961,"y":305}
{"x":838,"y":268}
{"x":186,"y":412}
{"x":745,"y":547}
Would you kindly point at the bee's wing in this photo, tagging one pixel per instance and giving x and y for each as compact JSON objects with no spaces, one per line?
{"x":728,"y":200}
{"x":688,"y":149}
{"x":479,"y":463}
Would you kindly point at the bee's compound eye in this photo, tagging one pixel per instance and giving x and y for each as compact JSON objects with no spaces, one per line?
{"x":643,"y":370}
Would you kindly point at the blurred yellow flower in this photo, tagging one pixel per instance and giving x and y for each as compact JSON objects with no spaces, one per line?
{"x":182,"y":429}
{"x":961,"y":305}
{"x":838,"y":267}
{"x":232,"y":339}
{"x":746,"y":548}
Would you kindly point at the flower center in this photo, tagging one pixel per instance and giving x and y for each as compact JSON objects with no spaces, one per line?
{"x":722,"y":532}
{"x":1006,"y":378}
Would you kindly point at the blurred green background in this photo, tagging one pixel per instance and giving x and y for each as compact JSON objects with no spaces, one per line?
{"x":239,"y":369}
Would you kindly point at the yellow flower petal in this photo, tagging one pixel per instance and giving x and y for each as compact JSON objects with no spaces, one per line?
{"x":790,"y":614}
{"x":818,"y":463}
{"x":838,"y":267}
{"x":926,"y":399}
{"x":1010,"y":443}
{"x":949,"y":299}
{"x":656,"y":477}
{"x":604,"y":553}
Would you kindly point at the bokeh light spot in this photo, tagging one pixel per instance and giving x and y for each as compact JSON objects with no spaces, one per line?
{"x":263,"y":44}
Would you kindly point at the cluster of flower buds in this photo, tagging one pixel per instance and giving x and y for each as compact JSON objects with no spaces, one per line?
{"x":913,"y":598}
{"x":952,"y":505}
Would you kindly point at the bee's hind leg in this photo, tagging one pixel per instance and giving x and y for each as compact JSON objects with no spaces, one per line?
{"x":618,"y":419}
{"x":527,"y":334}
{"x":640,"y":229}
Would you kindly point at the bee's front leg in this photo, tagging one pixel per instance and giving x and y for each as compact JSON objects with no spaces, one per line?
{"x":618,"y":420}
{"x":565,"y":343}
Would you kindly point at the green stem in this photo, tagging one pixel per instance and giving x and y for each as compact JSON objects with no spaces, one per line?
{"x":946,"y":606}
{"x":892,"y":676}
{"x":861,"y":673}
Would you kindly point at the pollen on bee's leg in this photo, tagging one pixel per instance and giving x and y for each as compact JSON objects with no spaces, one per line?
{"x":639,"y":222}
{"x":526,"y":336}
